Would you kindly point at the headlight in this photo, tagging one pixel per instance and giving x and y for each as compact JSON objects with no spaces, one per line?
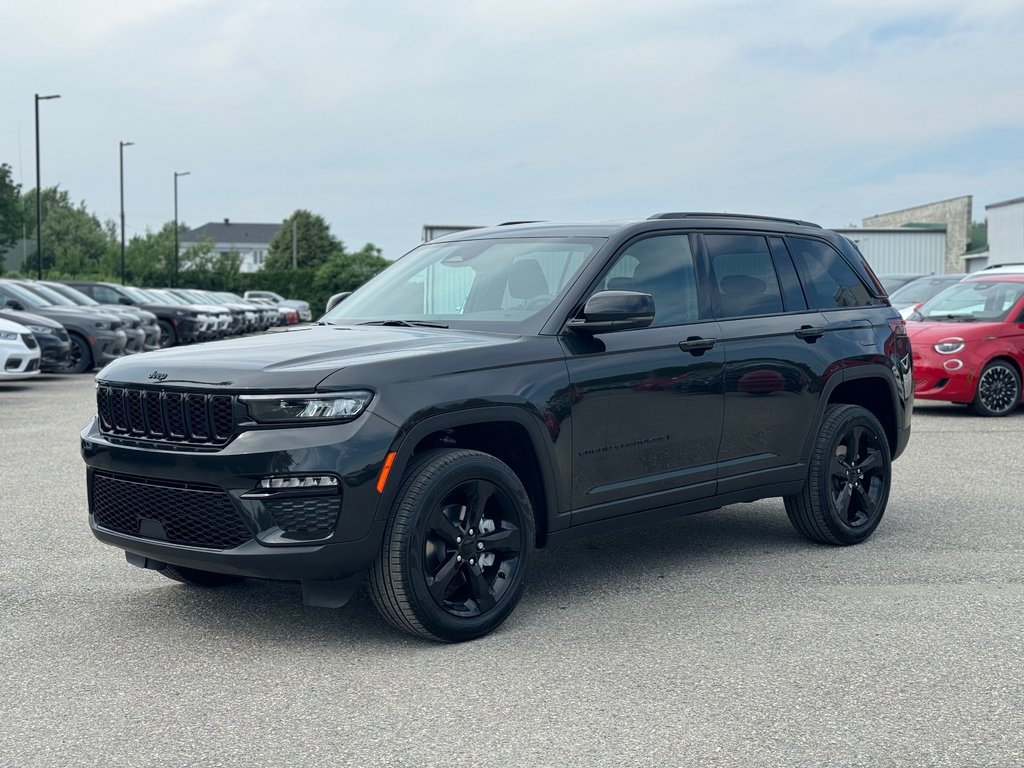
{"x":41,"y":330}
{"x":8,"y":336}
{"x":101,"y":325}
{"x":341,"y":406}
{"x":949,"y":346}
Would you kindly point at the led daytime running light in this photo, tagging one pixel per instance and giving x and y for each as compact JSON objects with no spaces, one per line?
{"x":309,"y":481}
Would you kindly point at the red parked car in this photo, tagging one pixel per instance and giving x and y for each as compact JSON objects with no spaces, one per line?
{"x":968,"y":344}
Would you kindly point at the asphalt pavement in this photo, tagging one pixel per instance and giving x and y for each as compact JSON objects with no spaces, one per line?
{"x":721,"y":639}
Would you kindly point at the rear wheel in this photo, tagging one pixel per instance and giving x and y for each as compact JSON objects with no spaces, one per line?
{"x":196,"y":578}
{"x":998,"y":392}
{"x":80,"y":357}
{"x":456,"y":548}
{"x":848,"y":479}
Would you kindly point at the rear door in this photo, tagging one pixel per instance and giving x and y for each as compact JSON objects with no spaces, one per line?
{"x":776,"y":358}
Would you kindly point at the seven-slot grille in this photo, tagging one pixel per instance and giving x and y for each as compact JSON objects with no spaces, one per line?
{"x":190,"y":418}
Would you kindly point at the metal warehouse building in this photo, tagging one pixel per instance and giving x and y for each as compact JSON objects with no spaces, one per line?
{"x":901,"y":250}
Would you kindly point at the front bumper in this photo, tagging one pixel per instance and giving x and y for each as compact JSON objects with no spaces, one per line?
{"x":939,"y":378}
{"x":107,"y":346}
{"x":207,"y":510}
{"x":54,"y":352}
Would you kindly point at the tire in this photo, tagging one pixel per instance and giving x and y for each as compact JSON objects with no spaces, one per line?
{"x":456,"y":548}
{"x":168,"y":338}
{"x":843,"y":501}
{"x":196,"y":578}
{"x":80,"y":358}
{"x":998,"y":390}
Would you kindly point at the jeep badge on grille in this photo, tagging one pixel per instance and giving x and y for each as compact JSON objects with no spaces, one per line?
{"x":158,"y":376}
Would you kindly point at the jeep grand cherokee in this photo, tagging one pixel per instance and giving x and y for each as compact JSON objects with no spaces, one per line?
{"x":502,"y":389}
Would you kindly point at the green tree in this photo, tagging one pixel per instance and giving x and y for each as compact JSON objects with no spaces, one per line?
{"x":347,"y":271}
{"x":313,"y":239}
{"x":74,"y":240}
{"x":11,"y":208}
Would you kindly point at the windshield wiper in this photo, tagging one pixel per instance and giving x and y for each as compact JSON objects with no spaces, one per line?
{"x":952,"y":318}
{"x":407,"y":323}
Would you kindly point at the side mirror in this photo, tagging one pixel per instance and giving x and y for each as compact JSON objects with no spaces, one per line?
{"x":336,"y":299}
{"x":607,"y":311}
{"x":125,"y":300}
{"x":15,"y":305}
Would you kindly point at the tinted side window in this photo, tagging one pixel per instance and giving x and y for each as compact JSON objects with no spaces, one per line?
{"x":829,"y":282}
{"x":662,"y":267}
{"x":743,"y":271}
{"x":106,"y":295}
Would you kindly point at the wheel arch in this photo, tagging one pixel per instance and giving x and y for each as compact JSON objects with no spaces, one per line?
{"x":508,"y":433}
{"x":873,"y":390}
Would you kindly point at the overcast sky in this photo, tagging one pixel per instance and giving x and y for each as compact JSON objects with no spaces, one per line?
{"x":384,"y":116}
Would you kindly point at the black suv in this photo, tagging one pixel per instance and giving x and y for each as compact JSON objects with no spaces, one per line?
{"x":501,"y":389}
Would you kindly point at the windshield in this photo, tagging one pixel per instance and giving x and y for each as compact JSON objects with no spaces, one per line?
{"x":74,"y":295}
{"x":974,"y":301}
{"x":28,"y":298}
{"x":917,"y":291}
{"x":50,"y":295}
{"x":508,"y":284}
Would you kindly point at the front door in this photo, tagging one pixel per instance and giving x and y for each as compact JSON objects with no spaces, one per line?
{"x":647,"y":403}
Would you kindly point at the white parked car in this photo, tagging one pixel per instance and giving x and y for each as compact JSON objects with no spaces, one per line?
{"x":302,"y":307}
{"x":19,"y":352}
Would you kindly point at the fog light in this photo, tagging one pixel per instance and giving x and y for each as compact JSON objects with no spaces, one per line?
{"x":305,"y":481}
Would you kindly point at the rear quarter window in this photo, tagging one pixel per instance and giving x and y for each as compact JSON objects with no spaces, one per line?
{"x":829,"y":281}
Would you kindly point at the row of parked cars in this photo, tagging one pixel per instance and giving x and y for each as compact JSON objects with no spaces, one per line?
{"x":75,"y":326}
{"x":967,"y":334}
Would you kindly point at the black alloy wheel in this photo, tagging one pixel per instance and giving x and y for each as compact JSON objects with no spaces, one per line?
{"x":80,"y":357}
{"x":848,"y":479}
{"x":456,"y":550}
{"x":998,"y":392}
{"x":168,"y":338}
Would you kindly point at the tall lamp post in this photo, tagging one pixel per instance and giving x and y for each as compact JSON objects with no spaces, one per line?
{"x":122,"y":145}
{"x":174,"y":281}
{"x":39,"y":191}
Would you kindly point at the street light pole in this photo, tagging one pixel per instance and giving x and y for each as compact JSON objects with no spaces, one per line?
{"x":39,"y":191}
{"x":122,"y":145}
{"x":174,"y":280}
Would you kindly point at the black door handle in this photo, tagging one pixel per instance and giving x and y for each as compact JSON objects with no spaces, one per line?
{"x":809,"y":333}
{"x":696,"y":346}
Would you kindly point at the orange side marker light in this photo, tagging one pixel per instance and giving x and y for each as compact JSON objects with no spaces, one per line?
{"x":385,"y":471}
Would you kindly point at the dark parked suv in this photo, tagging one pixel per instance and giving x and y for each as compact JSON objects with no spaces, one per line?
{"x":502,"y":389}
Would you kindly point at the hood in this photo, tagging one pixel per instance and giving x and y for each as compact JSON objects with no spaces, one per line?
{"x":927,"y":333}
{"x":292,"y":360}
{"x":28,"y":318}
{"x":75,"y":316}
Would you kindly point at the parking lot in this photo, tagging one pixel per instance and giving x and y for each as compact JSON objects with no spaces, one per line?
{"x":719,"y":639}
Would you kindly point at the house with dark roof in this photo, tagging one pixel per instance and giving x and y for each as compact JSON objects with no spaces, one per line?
{"x":250,"y":241}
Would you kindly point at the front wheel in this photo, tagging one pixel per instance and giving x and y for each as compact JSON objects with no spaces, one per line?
{"x":456,"y":548}
{"x":998,"y":392}
{"x":848,"y":479}
{"x":168,"y":338}
{"x":80,"y":358}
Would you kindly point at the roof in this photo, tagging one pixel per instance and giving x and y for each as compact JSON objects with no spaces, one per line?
{"x":232,"y":232}
{"x":708,"y":221}
{"x":1005,"y":202}
{"x":907,"y":230}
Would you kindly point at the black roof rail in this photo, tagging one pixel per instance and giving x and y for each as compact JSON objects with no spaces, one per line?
{"x":529,"y":221}
{"x":706,"y":215}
